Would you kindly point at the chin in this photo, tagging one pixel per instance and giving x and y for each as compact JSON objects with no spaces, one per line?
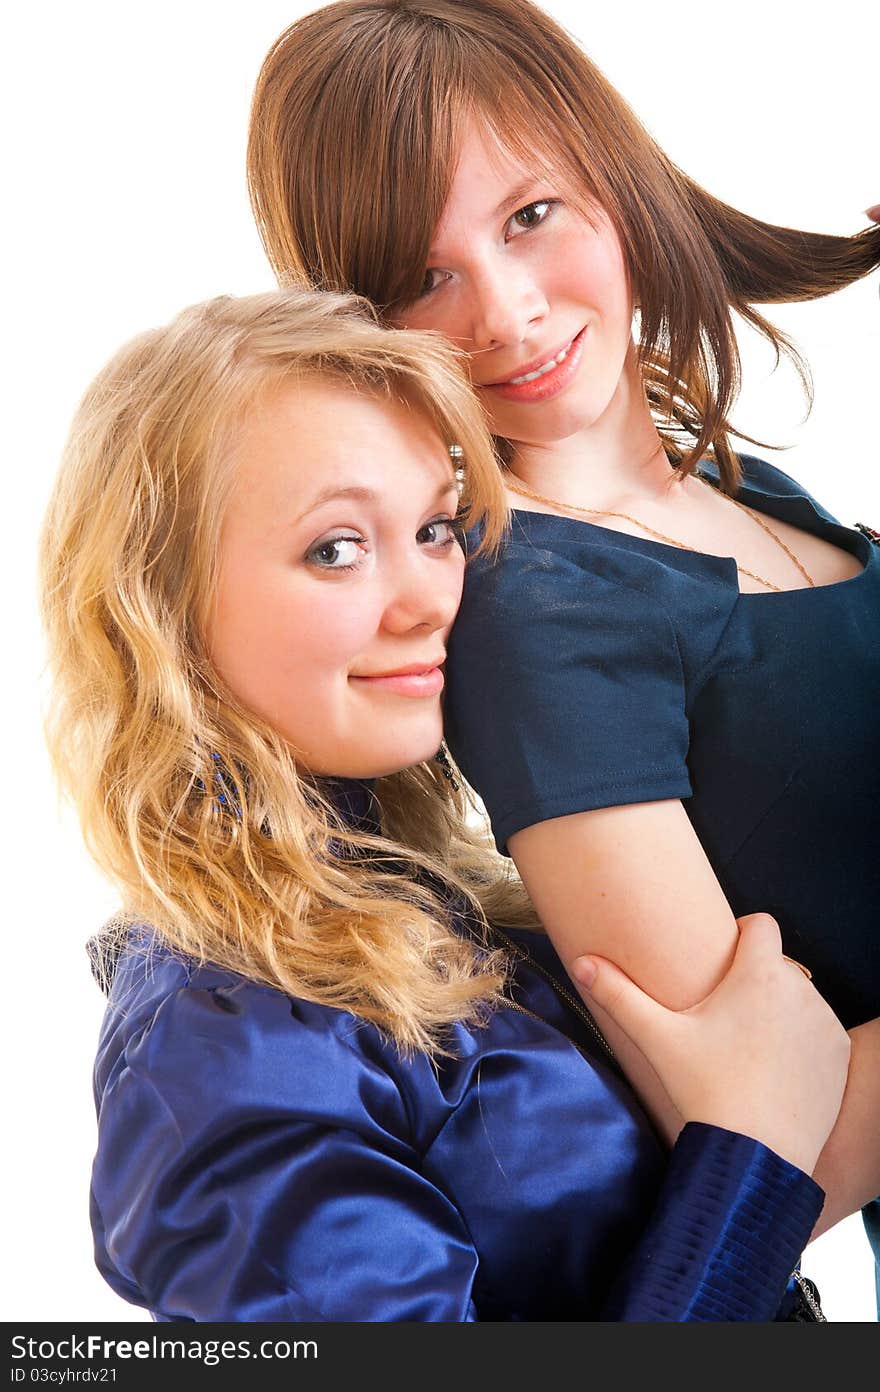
{"x":376,"y":761}
{"x":551,"y":425}
{"x":400,"y":762}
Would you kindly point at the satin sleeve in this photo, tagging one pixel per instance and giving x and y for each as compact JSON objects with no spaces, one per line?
{"x":728,"y":1228}
{"x":257,"y":1162}
{"x":270,"y":1178}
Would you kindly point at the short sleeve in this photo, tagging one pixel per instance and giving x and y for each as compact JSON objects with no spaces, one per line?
{"x":565,"y":689}
{"x":281,"y":1188}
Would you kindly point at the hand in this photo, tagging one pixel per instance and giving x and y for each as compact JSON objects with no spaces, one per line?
{"x":762,"y":1054}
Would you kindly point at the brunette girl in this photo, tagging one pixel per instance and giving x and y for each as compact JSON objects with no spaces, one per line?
{"x":665,"y":687}
{"x":328,"y":1088}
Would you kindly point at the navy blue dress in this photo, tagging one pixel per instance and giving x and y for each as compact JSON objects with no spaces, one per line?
{"x":265,"y":1158}
{"x":590,"y":668}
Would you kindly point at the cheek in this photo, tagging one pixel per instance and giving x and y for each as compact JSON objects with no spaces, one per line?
{"x":332,"y":629}
{"x":272,"y":634}
{"x":445,"y":314}
{"x":588,"y":265}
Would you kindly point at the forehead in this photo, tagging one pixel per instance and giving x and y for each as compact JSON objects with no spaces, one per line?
{"x":491,"y":171}
{"x":306,"y":434}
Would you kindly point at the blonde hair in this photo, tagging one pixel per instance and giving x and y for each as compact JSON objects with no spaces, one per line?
{"x":354,"y":137}
{"x":266,"y":878}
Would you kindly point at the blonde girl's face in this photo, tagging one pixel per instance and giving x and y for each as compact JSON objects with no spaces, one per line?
{"x":531,"y":289}
{"x":340,"y":575}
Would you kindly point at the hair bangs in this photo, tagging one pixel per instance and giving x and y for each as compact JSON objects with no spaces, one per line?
{"x":508,"y":93}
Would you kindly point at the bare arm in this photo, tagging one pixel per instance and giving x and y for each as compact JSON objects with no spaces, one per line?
{"x":848,"y":1169}
{"x":763,"y":1054}
{"x":632,"y":884}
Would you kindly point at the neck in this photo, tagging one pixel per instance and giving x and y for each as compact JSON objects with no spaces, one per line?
{"x":618,"y":455}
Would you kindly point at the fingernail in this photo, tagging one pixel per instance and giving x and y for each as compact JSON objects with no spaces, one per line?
{"x":584,"y":971}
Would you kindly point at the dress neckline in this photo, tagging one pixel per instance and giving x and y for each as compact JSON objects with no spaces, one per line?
{"x":809,"y":518}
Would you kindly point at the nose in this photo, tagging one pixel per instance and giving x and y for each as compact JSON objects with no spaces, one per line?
{"x":424,"y":593}
{"x":507,"y":302}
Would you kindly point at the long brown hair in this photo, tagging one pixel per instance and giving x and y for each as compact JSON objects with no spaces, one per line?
{"x":353,"y":139}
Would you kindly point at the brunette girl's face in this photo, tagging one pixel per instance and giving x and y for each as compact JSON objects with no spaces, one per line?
{"x":340,"y":575}
{"x":536,"y":293}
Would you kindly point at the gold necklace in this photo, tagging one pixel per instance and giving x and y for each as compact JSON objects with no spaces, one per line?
{"x":526,"y":492}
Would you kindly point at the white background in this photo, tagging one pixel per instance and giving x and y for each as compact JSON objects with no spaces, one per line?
{"x":125,"y":199}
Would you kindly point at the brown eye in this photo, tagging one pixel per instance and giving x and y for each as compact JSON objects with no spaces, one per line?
{"x":432,"y":281}
{"x":532,"y":214}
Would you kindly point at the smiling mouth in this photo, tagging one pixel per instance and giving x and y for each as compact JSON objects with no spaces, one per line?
{"x":541,"y":371}
{"x":413,"y":681}
{"x":544,"y":379}
{"x":412,"y":669}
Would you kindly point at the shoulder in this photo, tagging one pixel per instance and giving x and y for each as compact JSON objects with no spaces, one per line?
{"x":183,"y":1041}
{"x":761,"y":479}
{"x":760,"y":474}
{"x":544,"y":552}
{"x":242,"y":1135}
{"x":564,"y":598}
{"x":577,"y":573}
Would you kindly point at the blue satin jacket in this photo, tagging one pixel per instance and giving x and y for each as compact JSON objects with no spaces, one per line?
{"x":264,"y":1158}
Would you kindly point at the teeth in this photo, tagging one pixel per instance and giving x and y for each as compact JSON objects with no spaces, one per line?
{"x":541,"y":371}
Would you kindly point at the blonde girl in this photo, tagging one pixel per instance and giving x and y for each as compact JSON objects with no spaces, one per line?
{"x":330,"y":1085}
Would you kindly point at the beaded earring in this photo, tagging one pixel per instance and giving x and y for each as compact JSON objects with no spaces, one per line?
{"x":442,"y":759}
{"x":456,"y":454}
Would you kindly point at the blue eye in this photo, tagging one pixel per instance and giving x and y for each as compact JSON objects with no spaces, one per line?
{"x":336,"y":553}
{"x":440,"y":531}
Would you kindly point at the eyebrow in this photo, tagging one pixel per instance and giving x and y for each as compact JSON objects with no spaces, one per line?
{"x":516,"y":198}
{"x":509,"y":203}
{"x":361,"y":495}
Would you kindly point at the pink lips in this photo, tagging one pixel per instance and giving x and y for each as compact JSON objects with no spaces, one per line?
{"x":421,"y":682}
{"x":549,"y":384}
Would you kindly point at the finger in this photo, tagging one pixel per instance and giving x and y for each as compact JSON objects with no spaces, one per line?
{"x":874,"y":213}
{"x":637,"y":1013}
{"x":759,"y":937}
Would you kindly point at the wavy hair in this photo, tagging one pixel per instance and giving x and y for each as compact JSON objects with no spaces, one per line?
{"x":354,"y":133}
{"x":190,"y":804}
